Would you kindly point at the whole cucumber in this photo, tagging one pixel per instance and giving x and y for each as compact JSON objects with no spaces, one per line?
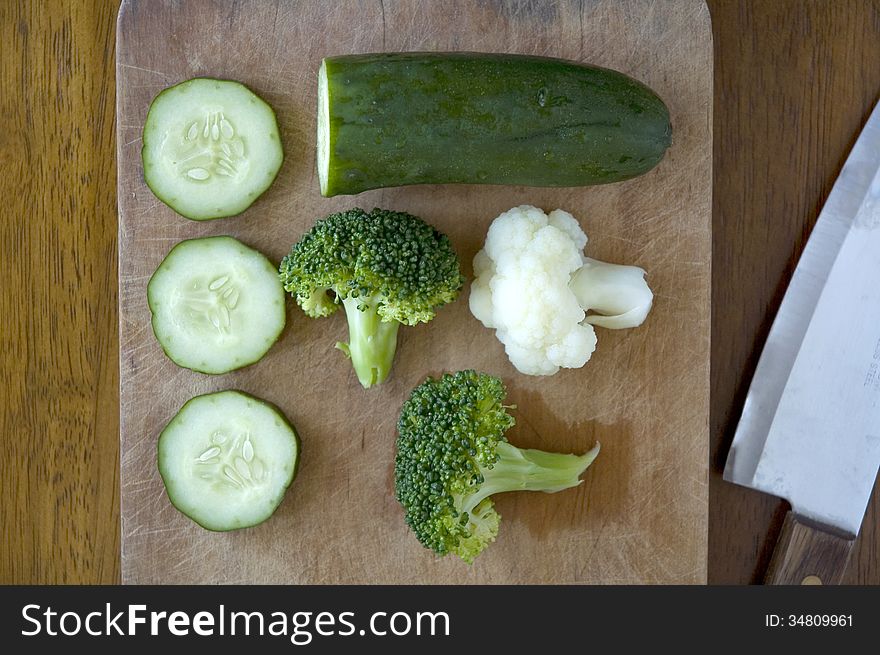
{"x":434,"y":118}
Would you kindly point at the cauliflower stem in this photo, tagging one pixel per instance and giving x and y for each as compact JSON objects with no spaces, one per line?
{"x":372,"y":341}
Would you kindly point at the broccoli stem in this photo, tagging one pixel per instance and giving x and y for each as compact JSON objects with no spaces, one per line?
{"x":372,"y":341}
{"x":527,"y":469}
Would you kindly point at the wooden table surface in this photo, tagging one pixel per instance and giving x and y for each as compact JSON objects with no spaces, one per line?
{"x":794,"y":82}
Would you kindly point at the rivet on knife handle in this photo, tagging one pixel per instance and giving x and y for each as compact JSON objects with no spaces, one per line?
{"x":807,"y":556}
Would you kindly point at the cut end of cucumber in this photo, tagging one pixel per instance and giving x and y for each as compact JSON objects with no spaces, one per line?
{"x":323,"y":140}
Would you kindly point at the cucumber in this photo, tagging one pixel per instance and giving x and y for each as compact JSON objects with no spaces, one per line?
{"x":226,"y":459}
{"x":210,"y":148}
{"x":434,"y":118}
{"x":217,"y":305}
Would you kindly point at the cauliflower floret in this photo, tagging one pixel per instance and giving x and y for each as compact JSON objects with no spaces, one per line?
{"x":523,"y":288}
{"x":481,"y":296}
{"x":568,"y":224}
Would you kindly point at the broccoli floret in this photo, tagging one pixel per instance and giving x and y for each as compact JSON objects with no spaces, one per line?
{"x":452,"y":456}
{"x":385,"y":268}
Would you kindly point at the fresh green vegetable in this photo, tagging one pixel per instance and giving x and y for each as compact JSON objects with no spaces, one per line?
{"x":227,"y":458}
{"x":384,"y":267}
{"x":217,"y":305}
{"x":543,"y":297}
{"x":452,"y":456}
{"x":434,"y":118}
{"x":211,"y":147}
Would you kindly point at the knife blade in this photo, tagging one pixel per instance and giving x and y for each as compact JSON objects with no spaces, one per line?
{"x":810,"y":427}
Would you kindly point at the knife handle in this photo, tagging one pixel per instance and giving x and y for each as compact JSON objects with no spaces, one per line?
{"x":807,"y":555}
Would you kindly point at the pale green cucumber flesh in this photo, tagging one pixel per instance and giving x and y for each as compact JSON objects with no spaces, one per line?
{"x":433,"y":118}
{"x":210,"y":148}
{"x":226,"y":460}
{"x":217,"y":305}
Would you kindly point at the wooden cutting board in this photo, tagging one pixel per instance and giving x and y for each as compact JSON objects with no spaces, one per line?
{"x":641,"y":514}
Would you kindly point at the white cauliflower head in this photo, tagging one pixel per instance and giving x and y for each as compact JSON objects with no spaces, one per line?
{"x":522,"y":289}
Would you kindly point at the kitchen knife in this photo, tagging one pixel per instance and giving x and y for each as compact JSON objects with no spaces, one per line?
{"x":810,"y":427}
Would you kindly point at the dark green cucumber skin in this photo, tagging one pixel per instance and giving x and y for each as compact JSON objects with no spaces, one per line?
{"x":434,"y":118}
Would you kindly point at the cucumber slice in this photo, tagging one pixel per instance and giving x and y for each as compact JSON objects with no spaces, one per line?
{"x":211,"y":147}
{"x":217,"y":305}
{"x":226,"y":460}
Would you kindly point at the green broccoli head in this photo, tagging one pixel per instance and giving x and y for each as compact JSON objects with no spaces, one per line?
{"x":452,"y":456}
{"x":384,"y":267}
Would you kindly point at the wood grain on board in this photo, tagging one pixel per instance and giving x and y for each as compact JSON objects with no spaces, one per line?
{"x":641,"y":513}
